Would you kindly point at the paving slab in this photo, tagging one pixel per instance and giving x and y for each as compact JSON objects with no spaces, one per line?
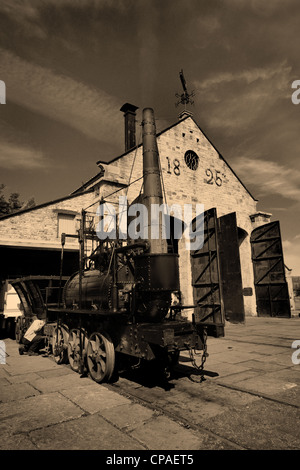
{"x":94,"y":398}
{"x":238,"y":377}
{"x":268,"y":350}
{"x":222,"y":346}
{"x":223,"y":369}
{"x":15,"y":392}
{"x":265,"y":385}
{"x":63,"y":382}
{"x":87,"y":433}
{"x":262,"y":365}
{"x":234,"y":357}
{"x":287,"y":375}
{"x":281,"y":359}
{"x":16,"y":442}
{"x":259,"y":340}
{"x":263,"y":426}
{"x":27,"y":364}
{"x":36,"y":412}
{"x":3,"y":373}
{"x":291,"y":396}
{"x":4,"y":381}
{"x":60,"y":370}
{"x":176,"y":437}
{"x":23,"y":378}
{"x":129,"y":416}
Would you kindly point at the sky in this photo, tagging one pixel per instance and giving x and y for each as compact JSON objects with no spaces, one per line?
{"x":69,"y":66}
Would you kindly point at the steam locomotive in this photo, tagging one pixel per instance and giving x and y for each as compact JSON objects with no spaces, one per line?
{"x":118,"y":309}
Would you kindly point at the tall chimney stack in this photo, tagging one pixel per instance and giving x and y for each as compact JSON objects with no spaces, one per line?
{"x":129,"y":117}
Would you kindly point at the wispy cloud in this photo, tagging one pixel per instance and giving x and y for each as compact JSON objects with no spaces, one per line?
{"x":88,"y":110}
{"x":29,"y":8}
{"x":266,"y":8}
{"x":269,"y":177}
{"x":239,"y":99}
{"x":248,"y":76}
{"x":291,"y":253}
{"x":26,"y":14}
{"x":19,"y":9}
{"x":16,"y":157}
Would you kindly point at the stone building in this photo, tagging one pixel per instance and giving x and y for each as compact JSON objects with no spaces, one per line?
{"x":193,"y":172}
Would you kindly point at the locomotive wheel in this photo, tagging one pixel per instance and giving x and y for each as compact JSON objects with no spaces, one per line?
{"x":100,"y":357}
{"x":60,"y":344}
{"x":74,"y":356}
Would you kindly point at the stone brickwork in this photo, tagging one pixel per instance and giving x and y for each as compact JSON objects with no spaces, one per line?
{"x":38,"y":226}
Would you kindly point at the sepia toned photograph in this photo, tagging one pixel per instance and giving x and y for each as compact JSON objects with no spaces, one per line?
{"x":149,"y":228}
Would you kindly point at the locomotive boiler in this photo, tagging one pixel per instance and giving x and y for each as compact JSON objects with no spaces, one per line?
{"x":119,"y":309}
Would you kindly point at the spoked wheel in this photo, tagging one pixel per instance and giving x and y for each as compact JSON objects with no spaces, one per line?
{"x":100,"y":357}
{"x":76,"y":360}
{"x":60,"y":344}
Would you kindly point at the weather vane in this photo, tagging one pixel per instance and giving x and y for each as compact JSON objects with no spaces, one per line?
{"x":185,"y":97}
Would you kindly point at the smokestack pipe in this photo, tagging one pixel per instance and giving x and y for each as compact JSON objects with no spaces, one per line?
{"x":156,"y":272}
{"x":129,"y":118}
{"x":152,"y":179}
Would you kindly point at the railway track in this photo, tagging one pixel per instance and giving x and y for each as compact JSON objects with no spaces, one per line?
{"x":164,"y":410}
{"x":201,"y":406}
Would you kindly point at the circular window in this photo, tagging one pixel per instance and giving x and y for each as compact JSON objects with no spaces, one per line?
{"x":191,"y":159}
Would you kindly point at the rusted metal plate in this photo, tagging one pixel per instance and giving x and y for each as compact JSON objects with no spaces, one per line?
{"x":157,"y":272}
{"x":269,"y":271}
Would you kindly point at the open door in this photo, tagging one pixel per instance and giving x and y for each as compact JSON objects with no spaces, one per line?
{"x":206,"y":277}
{"x":230,"y":268}
{"x":272,"y":295}
{"x":216,"y":273}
